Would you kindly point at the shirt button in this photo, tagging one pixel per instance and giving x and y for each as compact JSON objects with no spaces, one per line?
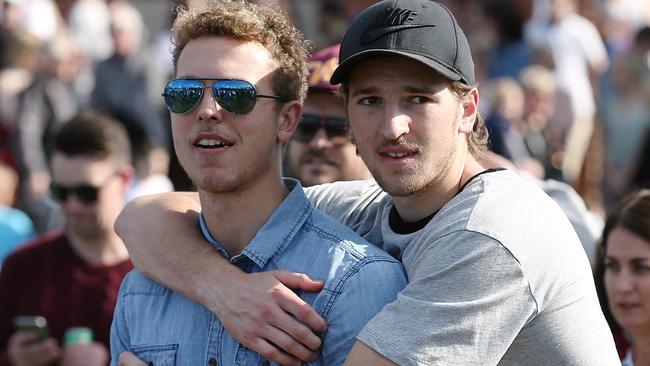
{"x":212,"y":361}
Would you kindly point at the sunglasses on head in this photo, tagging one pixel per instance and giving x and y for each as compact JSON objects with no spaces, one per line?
{"x":310,"y":124}
{"x":86,"y":193}
{"x":235,"y":96}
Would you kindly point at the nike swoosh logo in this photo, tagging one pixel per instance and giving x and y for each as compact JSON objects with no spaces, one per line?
{"x":372,"y":34}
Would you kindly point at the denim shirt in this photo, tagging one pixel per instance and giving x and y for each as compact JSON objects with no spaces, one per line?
{"x":162,"y":327}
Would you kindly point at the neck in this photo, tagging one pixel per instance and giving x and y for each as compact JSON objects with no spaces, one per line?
{"x":234,"y":218}
{"x":106,"y":249}
{"x":429,"y":200}
{"x":641,"y":349}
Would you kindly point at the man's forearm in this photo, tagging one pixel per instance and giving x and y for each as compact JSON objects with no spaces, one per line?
{"x":173,"y":261}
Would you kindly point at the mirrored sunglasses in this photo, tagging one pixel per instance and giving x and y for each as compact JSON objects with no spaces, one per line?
{"x":310,"y":124}
{"x":235,"y":96}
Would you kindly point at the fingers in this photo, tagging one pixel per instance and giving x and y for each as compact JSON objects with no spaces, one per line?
{"x":22,"y":338}
{"x":305,"y":351}
{"x":45,"y":350}
{"x":297,"y":307}
{"x":85,"y":354}
{"x":271,"y":353}
{"x":25,"y":348}
{"x":298,"y":281}
{"x":303,"y":339}
{"x":266,"y":316}
{"x":129,"y":359}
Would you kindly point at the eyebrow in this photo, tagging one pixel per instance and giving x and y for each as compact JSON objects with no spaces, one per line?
{"x":637,"y":260}
{"x":634,"y":260}
{"x":427,"y":89}
{"x":366,"y":90}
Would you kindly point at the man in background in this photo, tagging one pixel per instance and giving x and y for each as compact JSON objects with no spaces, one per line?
{"x":321,"y":149}
{"x":71,"y":277}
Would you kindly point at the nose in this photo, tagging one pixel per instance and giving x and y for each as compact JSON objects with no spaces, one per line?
{"x":395,"y":123}
{"x":208,"y":108}
{"x":623,"y":281}
{"x":320,"y":140}
{"x":72,"y":203}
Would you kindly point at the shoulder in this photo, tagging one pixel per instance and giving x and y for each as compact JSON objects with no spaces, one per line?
{"x":14,"y":218}
{"x":43,"y":247}
{"x":504,"y":199}
{"x":328,"y":250}
{"x":344,"y":188}
{"x":512,"y":211}
{"x":135,"y":283}
{"x":339,"y":238}
{"x":359,"y":192}
{"x":352,"y":203}
{"x":530,"y":226}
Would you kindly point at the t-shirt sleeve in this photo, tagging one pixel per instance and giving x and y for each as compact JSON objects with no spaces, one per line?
{"x":466,"y":301}
{"x":593,"y":46}
{"x":349,"y":202}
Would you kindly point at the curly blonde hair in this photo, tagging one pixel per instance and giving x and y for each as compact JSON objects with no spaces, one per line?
{"x":246,"y":21}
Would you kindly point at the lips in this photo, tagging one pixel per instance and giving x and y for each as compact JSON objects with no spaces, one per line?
{"x":317,"y":157}
{"x":210,"y":141}
{"x":628,"y":306}
{"x":397,"y":152}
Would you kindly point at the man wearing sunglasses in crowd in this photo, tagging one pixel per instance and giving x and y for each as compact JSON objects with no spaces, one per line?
{"x":240,"y":79}
{"x":321,"y":149}
{"x":71,"y":277}
{"x":496,"y":273}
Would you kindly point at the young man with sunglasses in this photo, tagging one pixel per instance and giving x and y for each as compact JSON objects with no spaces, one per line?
{"x":321,"y":149}
{"x":71,"y":277}
{"x":240,"y":78}
{"x":496,"y":273}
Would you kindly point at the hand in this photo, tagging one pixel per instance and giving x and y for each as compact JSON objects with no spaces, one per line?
{"x":84,"y":354}
{"x":25,"y":349}
{"x":258,"y":309}
{"x":129,"y":359}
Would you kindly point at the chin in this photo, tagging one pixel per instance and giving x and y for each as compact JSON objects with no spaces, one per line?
{"x":216,"y":185}
{"x":316,"y":180}
{"x":85,"y":231}
{"x":633,"y":324}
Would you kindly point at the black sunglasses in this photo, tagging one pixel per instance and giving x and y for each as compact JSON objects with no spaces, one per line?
{"x":86,"y":193}
{"x":235,"y":96}
{"x":310,"y":124}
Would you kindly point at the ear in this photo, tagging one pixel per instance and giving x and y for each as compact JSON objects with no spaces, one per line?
{"x":288,"y":119}
{"x":126,"y":175}
{"x":468,"y":112}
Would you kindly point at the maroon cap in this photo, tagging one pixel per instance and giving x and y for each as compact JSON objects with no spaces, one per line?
{"x":321,"y":66}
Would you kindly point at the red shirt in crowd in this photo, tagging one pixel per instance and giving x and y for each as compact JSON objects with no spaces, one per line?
{"x":48,"y":278}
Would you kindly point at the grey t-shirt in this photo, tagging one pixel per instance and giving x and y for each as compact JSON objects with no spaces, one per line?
{"x":498,"y":276}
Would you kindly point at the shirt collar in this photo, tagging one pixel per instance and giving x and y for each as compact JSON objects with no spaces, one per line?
{"x":278,"y":231}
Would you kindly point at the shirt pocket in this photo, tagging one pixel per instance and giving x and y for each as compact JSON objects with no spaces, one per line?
{"x":246,"y":357}
{"x":157,"y":355}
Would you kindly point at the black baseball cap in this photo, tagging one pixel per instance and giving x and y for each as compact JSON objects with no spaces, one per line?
{"x":422,"y":30}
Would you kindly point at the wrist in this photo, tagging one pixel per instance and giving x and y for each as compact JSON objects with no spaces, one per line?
{"x":215,"y":284}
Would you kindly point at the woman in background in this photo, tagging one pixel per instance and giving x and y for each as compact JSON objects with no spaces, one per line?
{"x":623,"y":277}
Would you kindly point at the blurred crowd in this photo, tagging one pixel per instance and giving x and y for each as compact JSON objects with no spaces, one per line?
{"x":565,"y":87}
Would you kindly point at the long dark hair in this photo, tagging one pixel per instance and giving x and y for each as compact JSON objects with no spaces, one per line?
{"x":633,"y":214}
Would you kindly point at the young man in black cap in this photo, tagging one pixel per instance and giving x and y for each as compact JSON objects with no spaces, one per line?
{"x":496,"y":273}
